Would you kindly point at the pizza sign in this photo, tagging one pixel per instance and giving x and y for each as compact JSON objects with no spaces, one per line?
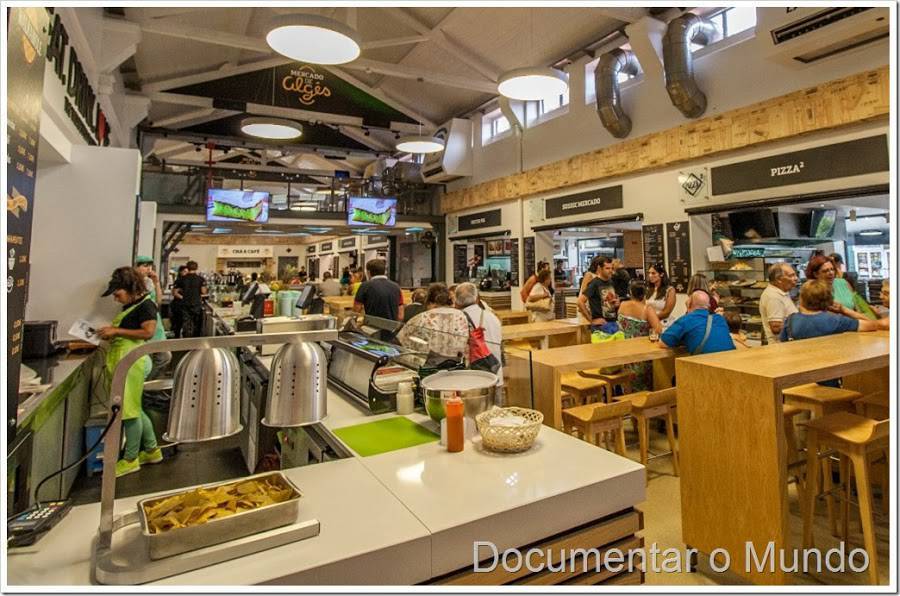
{"x":306,"y":83}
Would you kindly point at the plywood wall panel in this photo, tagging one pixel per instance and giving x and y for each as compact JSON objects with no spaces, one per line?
{"x":857,"y":98}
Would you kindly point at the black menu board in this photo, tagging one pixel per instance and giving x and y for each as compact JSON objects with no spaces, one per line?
{"x":460,"y":263}
{"x":652,"y":240}
{"x":514,"y":261}
{"x":678,"y":247}
{"x":26,"y":46}
{"x":529,"y":256}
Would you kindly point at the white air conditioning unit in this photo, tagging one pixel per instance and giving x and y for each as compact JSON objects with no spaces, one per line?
{"x":799,"y":36}
{"x":455,"y":161}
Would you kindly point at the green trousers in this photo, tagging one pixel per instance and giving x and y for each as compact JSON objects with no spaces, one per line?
{"x":139,"y":436}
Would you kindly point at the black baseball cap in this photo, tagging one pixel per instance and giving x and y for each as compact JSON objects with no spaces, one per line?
{"x":116,"y":282}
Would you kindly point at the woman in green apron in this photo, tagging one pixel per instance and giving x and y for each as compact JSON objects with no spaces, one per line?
{"x":130,"y":328}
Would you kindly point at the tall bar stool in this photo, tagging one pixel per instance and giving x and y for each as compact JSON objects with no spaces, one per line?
{"x":621,"y":378}
{"x":585,"y":389}
{"x":820,"y":400}
{"x":877,"y":407}
{"x":646,"y":405}
{"x":796,"y":460}
{"x":593,"y":421}
{"x":855,"y":438}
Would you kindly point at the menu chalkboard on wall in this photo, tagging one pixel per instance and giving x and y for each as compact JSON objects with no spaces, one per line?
{"x":678,"y":247}
{"x":529,"y":257}
{"x":26,"y":45}
{"x":653,"y":245}
{"x":514,"y":261}
{"x":460,"y":263}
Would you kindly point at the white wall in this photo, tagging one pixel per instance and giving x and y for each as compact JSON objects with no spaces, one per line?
{"x":83,"y":228}
{"x":147,"y":229}
{"x":732,"y":74}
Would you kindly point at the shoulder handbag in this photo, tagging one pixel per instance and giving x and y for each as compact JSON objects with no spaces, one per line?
{"x":480,"y":355}
{"x":542,"y":305}
{"x":787,"y":325}
{"x":699,"y":349}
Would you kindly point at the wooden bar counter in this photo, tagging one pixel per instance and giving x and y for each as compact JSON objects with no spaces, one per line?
{"x":562,"y":332}
{"x":547,"y":367}
{"x":512,"y":317}
{"x":733,"y":459}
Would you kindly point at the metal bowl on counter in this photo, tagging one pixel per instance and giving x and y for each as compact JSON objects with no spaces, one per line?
{"x":475,"y":388}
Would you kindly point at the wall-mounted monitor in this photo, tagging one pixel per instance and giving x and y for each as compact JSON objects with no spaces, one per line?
{"x":237,"y":205}
{"x":822,"y":223}
{"x":753,"y":224}
{"x":369,"y":211}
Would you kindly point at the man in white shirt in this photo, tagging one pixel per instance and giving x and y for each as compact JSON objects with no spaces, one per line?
{"x":467,"y":301}
{"x":775,"y":303}
{"x":329,"y":286}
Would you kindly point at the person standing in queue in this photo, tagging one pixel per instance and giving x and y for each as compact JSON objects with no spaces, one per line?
{"x":176,"y":308}
{"x":190,"y":289}
{"x":329,"y":286}
{"x":775,"y":303}
{"x":379,"y":296}
{"x":599,"y":303}
{"x":128,"y":330}
{"x":144,"y":265}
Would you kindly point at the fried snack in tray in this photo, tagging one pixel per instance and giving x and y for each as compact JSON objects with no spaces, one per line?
{"x":201,"y":505}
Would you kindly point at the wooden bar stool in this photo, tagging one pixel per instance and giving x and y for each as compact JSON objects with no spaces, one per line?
{"x":584,"y":388}
{"x":821,"y":400}
{"x":855,"y":438}
{"x":593,"y":420}
{"x":795,"y":456}
{"x":646,"y":405}
{"x":621,"y":378}
{"x":875,"y":405}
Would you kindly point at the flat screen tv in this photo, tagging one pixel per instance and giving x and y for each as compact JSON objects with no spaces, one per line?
{"x":369,"y":211}
{"x":237,"y":205}
{"x":822,"y":222}
{"x":753,"y":224}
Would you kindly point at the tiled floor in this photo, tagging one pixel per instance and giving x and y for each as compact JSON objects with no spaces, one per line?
{"x":662,"y":525}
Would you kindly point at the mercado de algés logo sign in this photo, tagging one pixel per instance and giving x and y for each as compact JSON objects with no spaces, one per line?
{"x":306,"y":84}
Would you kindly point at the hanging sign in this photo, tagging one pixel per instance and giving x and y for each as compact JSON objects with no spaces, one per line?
{"x":376,"y":239}
{"x":80,"y":103}
{"x":258,"y":252}
{"x":693,"y":185}
{"x":326,"y":247}
{"x":851,"y":158}
{"x":482,"y":219}
{"x":347,"y":243}
{"x":311,"y":249}
{"x":601,"y":199}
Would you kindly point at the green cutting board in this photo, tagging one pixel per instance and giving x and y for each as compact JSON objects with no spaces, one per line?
{"x":391,"y":434}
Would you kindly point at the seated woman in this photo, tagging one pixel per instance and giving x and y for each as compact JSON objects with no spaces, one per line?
{"x":815,"y":319}
{"x":442,"y":328}
{"x":636,"y":318}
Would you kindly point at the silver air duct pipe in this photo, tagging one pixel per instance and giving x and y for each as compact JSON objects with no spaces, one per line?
{"x":679,"y":63}
{"x":606,"y":82}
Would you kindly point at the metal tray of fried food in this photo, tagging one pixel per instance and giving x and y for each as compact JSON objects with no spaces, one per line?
{"x":204,"y":531}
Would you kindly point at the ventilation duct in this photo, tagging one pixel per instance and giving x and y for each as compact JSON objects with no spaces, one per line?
{"x":606,"y":82}
{"x":678,"y":62}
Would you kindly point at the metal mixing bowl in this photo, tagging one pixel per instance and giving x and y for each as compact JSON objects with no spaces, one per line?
{"x":474,"y":387}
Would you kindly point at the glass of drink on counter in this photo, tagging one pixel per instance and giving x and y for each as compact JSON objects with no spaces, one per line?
{"x":654,"y":336}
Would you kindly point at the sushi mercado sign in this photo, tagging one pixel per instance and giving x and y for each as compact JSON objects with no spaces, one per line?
{"x":232,"y":252}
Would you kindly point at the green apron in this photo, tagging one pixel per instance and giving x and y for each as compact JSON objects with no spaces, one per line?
{"x":134,"y":382}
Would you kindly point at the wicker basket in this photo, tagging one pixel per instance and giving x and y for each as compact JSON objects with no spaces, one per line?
{"x":509,"y":439}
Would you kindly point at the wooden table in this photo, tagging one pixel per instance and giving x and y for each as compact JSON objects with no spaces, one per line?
{"x":561,"y":333}
{"x":546,"y":367}
{"x":731,"y":429}
{"x":512,"y":317}
{"x":338,"y":304}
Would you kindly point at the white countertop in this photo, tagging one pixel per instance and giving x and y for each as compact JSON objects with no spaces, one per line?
{"x":396,"y":518}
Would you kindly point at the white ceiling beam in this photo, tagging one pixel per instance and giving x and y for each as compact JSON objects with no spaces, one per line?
{"x":176,"y":149}
{"x":444,"y":42}
{"x":393,"y":41}
{"x":360,"y":137}
{"x":622,"y":13}
{"x":393,"y":102}
{"x":403,"y":71}
{"x":193,"y":118}
{"x":249,"y":167}
{"x":233,"y":153}
{"x":180,"y":99}
{"x":120,"y":41}
{"x":213,"y":75}
{"x":210,"y":36}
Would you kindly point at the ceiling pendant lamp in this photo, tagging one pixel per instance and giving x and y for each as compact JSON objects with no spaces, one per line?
{"x":271,"y":128}
{"x":313,"y":39}
{"x":420,"y":144}
{"x":533,"y":83}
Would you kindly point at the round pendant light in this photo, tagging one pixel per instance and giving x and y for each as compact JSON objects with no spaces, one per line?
{"x":420,"y":144}
{"x":533,"y":83}
{"x":271,"y":128}
{"x":314,"y":39}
